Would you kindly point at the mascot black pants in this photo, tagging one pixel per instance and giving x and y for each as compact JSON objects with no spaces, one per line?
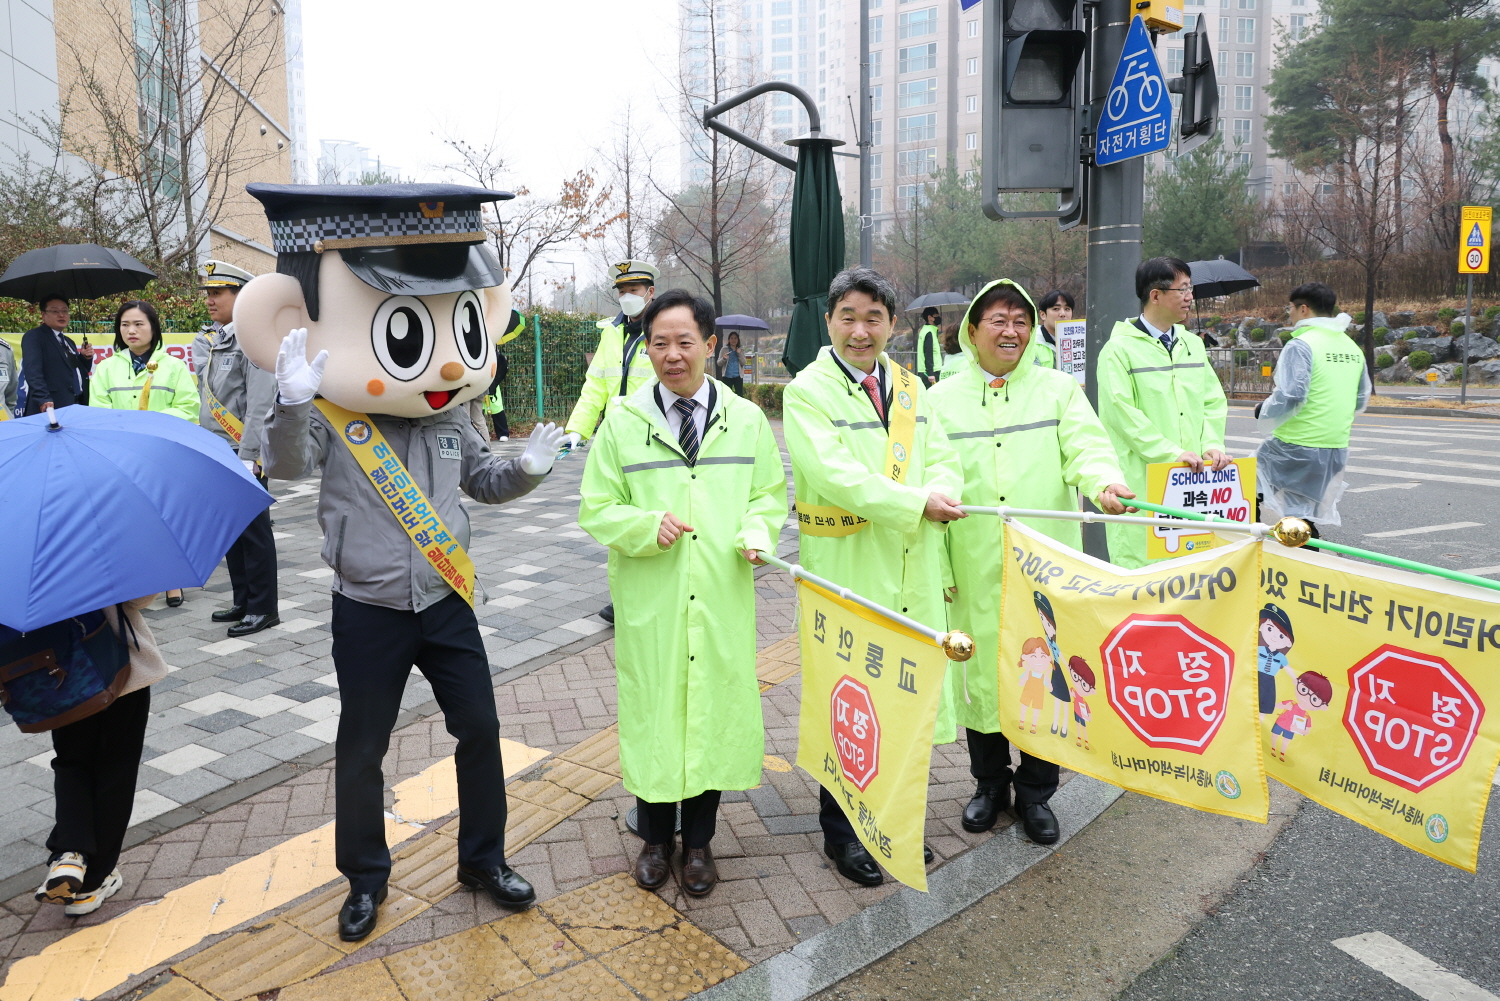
{"x":374,"y":649}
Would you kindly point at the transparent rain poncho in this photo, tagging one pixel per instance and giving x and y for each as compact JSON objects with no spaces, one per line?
{"x":1298,"y":480}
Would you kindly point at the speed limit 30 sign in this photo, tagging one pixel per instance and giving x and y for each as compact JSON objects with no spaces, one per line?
{"x":1474,"y":240}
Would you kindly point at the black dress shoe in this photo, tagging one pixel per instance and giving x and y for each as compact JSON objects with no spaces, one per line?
{"x":505,"y":886}
{"x":174,"y":601}
{"x":854,"y":863}
{"x":985,"y":808}
{"x":607,"y":613}
{"x":232,"y":614}
{"x":357,"y":916}
{"x":926,"y":855}
{"x":254,"y":624}
{"x":1039,"y":823}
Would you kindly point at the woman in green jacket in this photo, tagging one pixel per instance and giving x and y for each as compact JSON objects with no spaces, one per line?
{"x":684,"y":484}
{"x":140,"y":375}
{"x":1027,"y":438}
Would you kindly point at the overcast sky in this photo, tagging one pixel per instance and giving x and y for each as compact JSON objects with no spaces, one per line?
{"x":550,"y":79}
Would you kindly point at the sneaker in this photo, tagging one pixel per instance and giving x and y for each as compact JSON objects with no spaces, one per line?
{"x":91,"y":902}
{"x":64,"y":877}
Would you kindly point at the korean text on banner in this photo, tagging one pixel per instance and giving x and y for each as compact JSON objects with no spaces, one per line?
{"x":1375,"y":691}
{"x":1149,"y":672}
{"x":1228,"y":493}
{"x":870,"y":693}
{"x":1072,"y":347}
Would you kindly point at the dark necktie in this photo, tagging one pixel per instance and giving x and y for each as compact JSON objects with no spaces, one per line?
{"x":687,"y":434}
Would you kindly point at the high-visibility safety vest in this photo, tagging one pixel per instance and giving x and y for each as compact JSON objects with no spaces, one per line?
{"x":929,"y":350}
{"x":1325,"y":417}
{"x":620,"y":367}
{"x":115,"y":384}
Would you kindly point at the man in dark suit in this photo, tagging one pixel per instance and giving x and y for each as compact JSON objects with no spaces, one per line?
{"x":54,"y":367}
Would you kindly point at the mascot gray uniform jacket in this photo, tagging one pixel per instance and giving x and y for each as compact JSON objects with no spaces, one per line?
{"x":373,"y":559}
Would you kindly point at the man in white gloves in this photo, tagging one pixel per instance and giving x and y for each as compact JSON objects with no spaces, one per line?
{"x":394,"y":530}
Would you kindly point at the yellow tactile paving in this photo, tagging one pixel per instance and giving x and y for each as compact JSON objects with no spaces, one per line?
{"x":427,"y":867}
{"x":601,"y":752}
{"x":574,"y":777}
{"x":655,"y":970}
{"x":612,"y":902}
{"x":472,"y":965}
{"x":586,"y":982}
{"x":778,"y":662}
{"x":259,"y":959}
{"x":424,"y":798}
{"x":525,"y":822}
{"x":319,"y":917}
{"x":775,"y":764}
{"x":547,"y":794}
{"x":710,"y":959}
{"x":363,"y":982}
{"x":178,"y":989}
{"x":539,"y":943}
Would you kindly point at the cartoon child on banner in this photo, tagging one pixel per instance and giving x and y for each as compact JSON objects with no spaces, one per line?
{"x":1059,"y":681}
{"x":1275,"y":640}
{"x":1314,"y":693}
{"x":1035,"y":660}
{"x":1083,"y":685}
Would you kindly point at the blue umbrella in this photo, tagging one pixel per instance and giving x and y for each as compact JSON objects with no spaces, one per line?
{"x":111,"y":505}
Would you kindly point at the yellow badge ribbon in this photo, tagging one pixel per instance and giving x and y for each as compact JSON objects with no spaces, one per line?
{"x":402,"y":496}
{"x":826,"y":520}
{"x":145,"y":402}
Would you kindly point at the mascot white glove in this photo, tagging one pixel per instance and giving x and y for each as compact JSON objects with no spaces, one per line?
{"x":541,"y":449}
{"x":572,"y":441}
{"x":297,"y":380}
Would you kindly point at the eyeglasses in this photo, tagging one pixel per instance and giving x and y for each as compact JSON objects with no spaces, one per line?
{"x":1181,"y":291}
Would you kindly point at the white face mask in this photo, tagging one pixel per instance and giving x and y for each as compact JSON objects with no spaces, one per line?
{"x":632,"y":305}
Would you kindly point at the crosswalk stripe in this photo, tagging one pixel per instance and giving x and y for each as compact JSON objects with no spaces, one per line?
{"x":1424,"y":529}
{"x":1411,"y":969}
{"x":1481,"y":571}
{"x":1469,"y":451}
{"x":1432,"y":434}
{"x":1372,"y":487}
{"x":1484,"y":467}
{"x":1412,"y":474}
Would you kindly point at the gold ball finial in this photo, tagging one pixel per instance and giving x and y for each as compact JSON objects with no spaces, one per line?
{"x":1291,"y":532}
{"x":151,"y":366}
{"x":958,"y":645}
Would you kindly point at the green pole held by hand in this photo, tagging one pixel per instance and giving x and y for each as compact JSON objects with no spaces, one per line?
{"x":536,"y":327}
{"x":1334,"y":547}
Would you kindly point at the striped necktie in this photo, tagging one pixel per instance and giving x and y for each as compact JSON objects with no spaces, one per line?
{"x":872,"y":387}
{"x":687,"y":434}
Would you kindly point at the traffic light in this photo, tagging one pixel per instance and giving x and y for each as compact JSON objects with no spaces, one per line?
{"x":1030,"y":116}
{"x":1198,"y":119}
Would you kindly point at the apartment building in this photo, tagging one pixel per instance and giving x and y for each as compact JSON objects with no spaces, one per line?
{"x":66,"y":55}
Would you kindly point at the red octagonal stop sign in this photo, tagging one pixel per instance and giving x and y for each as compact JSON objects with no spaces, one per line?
{"x":856,"y":732}
{"x":1412,"y":716}
{"x":1168,"y":680}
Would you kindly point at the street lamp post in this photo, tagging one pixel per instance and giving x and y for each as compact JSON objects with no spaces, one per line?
{"x":574,"y":294}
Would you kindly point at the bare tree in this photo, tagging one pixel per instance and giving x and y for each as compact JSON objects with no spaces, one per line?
{"x":167,"y":108}
{"x":726,"y":218}
{"x":627,"y":161}
{"x":1348,"y":198}
{"x":522,"y":230}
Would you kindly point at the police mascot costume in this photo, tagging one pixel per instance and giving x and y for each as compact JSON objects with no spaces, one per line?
{"x":380,"y":324}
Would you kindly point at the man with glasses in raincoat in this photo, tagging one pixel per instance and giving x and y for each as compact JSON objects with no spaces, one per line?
{"x":685,"y":486}
{"x":1027,"y":438}
{"x":877,"y":481}
{"x":1159,"y":398}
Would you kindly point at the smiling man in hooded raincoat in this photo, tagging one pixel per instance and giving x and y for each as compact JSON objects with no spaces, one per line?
{"x":1028,"y":438}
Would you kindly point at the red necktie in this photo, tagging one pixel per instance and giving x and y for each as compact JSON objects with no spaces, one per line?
{"x":996,"y":383}
{"x":872,"y":386}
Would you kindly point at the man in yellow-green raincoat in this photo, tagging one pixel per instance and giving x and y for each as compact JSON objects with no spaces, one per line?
{"x":1159,"y":397}
{"x":1028,"y":438}
{"x":685,"y":486}
{"x":876,"y":483}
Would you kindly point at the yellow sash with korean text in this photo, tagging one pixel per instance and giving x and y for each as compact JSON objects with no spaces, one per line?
{"x":402,"y":496}
{"x":232,"y":425}
{"x":830,"y":521}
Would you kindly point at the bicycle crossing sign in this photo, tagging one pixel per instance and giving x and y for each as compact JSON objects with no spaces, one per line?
{"x":1474,"y":240}
{"x":1137,"y":118}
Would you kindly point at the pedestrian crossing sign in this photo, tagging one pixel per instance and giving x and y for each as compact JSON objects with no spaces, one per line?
{"x":1474,"y":240}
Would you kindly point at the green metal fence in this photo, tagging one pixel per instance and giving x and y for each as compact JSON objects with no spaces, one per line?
{"x":558,"y":347}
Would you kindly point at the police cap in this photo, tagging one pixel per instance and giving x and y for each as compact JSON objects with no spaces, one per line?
{"x":404,"y":239}
{"x":633,"y":271}
{"x":219,"y":274}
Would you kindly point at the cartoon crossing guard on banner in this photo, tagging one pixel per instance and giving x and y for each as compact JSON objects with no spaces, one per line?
{"x":1057,"y":682}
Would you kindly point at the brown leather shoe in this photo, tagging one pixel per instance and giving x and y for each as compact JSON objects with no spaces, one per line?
{"x":653,"y":865}
{"x":699,"y":874}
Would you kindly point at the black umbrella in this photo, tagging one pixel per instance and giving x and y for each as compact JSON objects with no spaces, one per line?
{"x":75,"y":270}
{"x":937,"y":299}
{"x":1212,"y":279}
{"x":739,"y":321}
{"x":817,"y":248}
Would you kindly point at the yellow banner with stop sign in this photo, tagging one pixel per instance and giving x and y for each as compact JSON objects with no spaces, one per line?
{"x":1143,"y":678}
{"x":1377,"y":694}
{"x":870,"y":695}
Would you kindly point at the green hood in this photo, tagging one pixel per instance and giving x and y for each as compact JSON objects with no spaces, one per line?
{"x":1029,"y":356}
